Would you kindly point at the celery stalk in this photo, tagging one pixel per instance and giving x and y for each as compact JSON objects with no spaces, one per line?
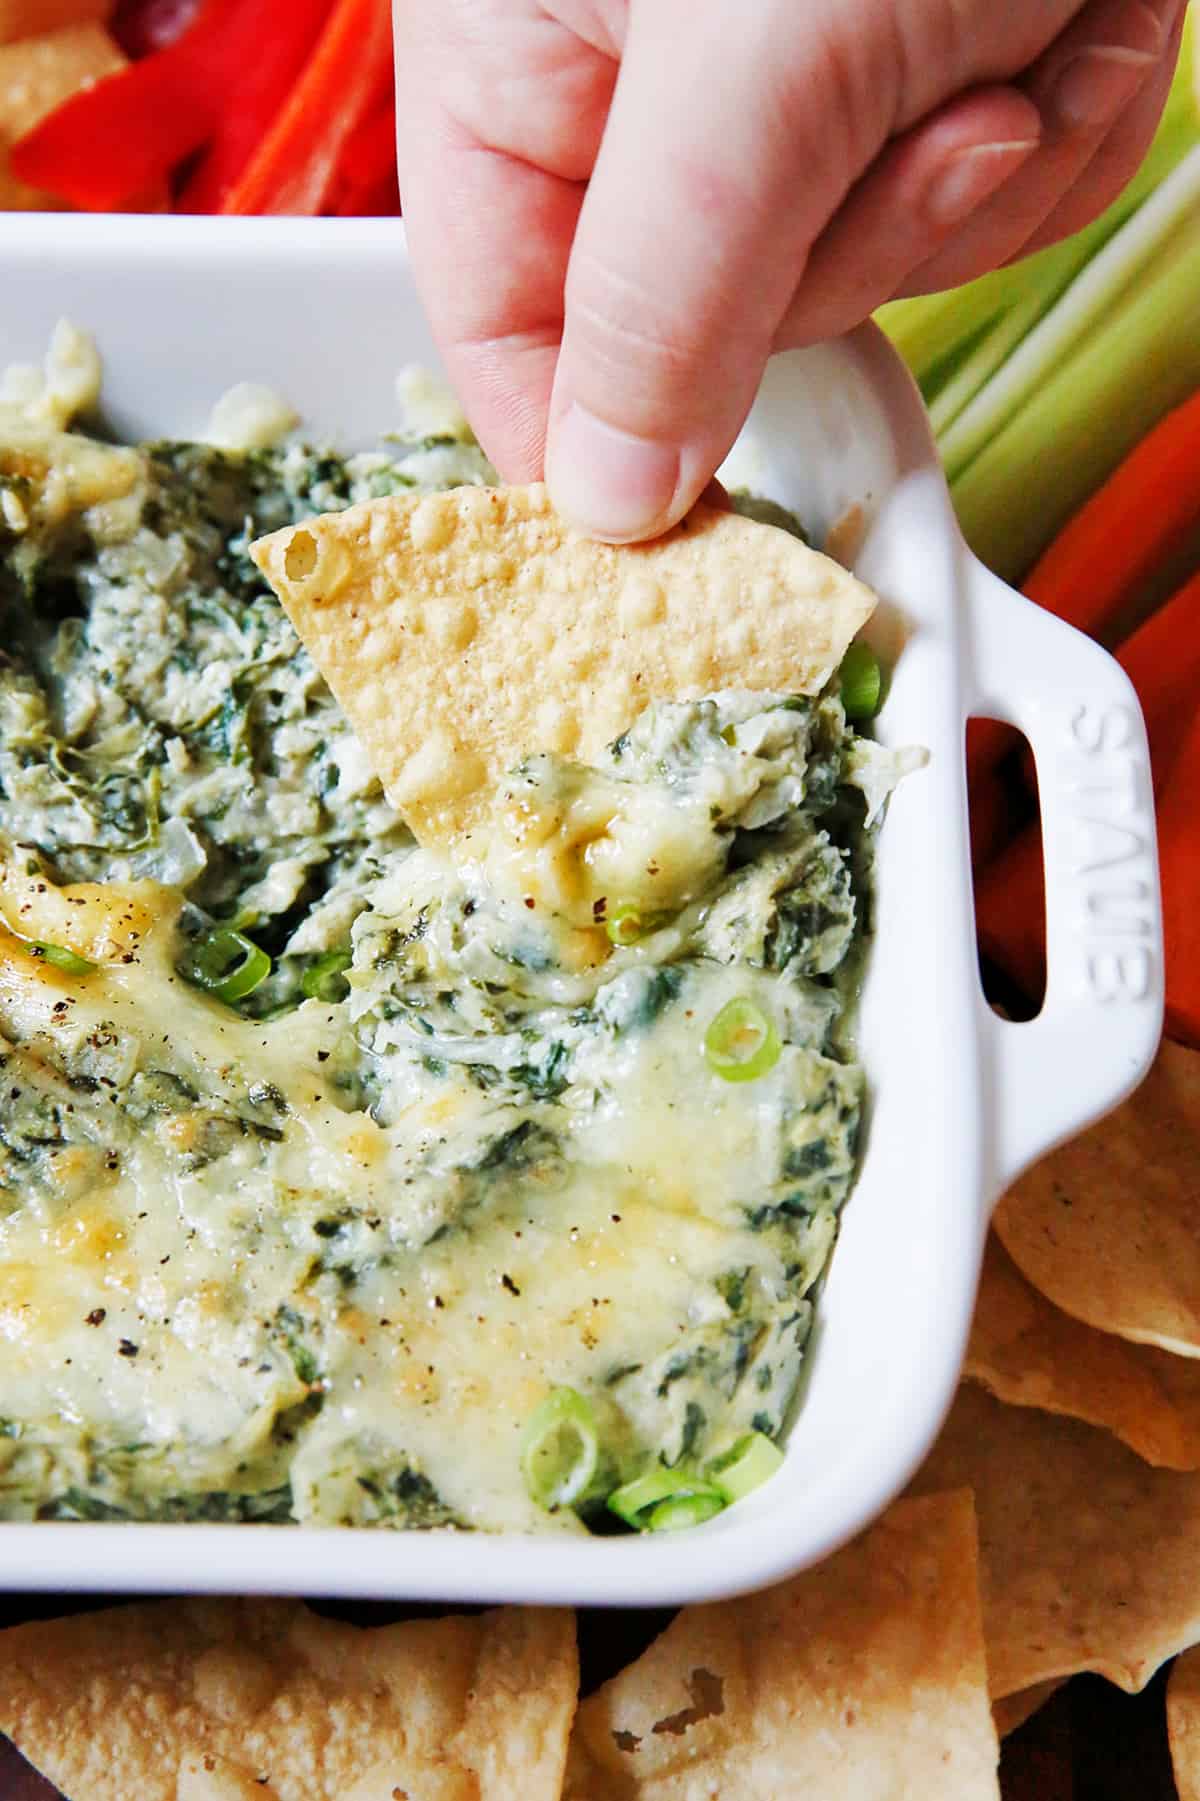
{"x":1107,"y":278}
{"x":1041,"y":376}
{"x":936,"y":333}
{"x":933,"y":331}
{"x":982,"y":361}
{"x":1143,"y":359}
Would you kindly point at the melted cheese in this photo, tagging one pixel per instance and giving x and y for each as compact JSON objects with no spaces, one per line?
{"x":102,"y":922}
{"x":143,"y":1304}
{"x":571,"y":848}
{"x":341,"y":1255}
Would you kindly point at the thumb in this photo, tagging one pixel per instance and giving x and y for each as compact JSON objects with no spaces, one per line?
{"x":727,"y":149}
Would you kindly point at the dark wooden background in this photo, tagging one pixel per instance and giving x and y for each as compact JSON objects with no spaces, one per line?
{"x":1089,"y":1743}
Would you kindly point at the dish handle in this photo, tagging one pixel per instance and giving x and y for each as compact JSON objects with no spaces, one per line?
{"x":1101,"y":1020}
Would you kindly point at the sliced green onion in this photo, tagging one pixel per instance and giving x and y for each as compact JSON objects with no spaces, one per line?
{"x":741,"y":1044}
{"x":749,"y":1463}
{"x":325,"y":977}
{"x":560,"y":1449}
{"x":226,"y":964}
{"x":862,"y":681}
{"x":639,"y":1502}
{"x":633,"y":1501}
{"x":626,"y":925}
{"x":63,"y":959}
{"x":685,"y":1510}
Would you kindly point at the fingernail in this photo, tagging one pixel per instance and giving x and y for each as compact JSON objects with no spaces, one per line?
{"x":1097,"y":83}
{"x":606,"y":482}
{"x":971,"y":176}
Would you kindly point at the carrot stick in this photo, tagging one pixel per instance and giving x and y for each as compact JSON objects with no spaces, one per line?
{"x":999,"y":804}
{"x":295,"y":166}
{"x":1143,"y":514}
{"x":252,"y":103}
{"x":1179,"y":865}
{"x":1010,"y":912}
{"x":1162,"y":660}
{"x":1131,"y":525}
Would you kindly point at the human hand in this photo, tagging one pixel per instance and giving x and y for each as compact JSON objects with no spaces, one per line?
{"x":617,"y":209}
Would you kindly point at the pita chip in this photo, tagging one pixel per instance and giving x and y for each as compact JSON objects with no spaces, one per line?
{"x":1090,"y":1558}
{"x":1106,"y":1226}
{"x":1012,"y":1711}
{"x":1183,"y":1724}
{"x":1028,"y":1353}
{"x":463,"y":631}
{"x":213,"y":1700}
{"x":860,"y":1678}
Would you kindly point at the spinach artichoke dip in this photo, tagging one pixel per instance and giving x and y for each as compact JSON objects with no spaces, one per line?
{"x":339,"y":1183}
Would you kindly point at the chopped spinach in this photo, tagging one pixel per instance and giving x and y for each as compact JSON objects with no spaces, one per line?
{"x":324,"y":1211}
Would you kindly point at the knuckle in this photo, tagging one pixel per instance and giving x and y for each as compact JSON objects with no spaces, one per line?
{"x":622,"y":325}
{"x":933,"y":53}
{"x":839,"y":98}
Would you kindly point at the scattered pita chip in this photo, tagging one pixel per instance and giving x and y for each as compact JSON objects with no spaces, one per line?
{"x":1106,"y":1226}
{"x":1090,"y":1558}
{"x":1011,"y":1711}
{"x":207,"y":1700}
{"x":1028,"y":1353}
{"x":861,"y":1678}
{"x":1183,"y":1724}
{"x":463,"y":631}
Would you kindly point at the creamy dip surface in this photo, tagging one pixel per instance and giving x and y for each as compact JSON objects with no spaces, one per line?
{"x":324,"y":1163}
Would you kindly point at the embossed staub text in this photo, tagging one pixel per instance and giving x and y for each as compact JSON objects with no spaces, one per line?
{"x":1109,"y":851}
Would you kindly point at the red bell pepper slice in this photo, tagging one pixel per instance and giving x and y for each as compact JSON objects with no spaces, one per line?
{"x":295,"y":168}
{"x":114,"y":142}
{"x":366,"y":181}
{"x":252,"y":107}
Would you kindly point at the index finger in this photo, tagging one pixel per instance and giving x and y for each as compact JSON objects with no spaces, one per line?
{"x":489,"y":236}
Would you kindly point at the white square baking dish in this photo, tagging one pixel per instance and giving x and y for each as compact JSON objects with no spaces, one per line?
{"x":325,"y":312}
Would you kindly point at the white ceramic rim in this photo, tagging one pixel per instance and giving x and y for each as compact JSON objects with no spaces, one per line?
{"x":1006,"y":1092}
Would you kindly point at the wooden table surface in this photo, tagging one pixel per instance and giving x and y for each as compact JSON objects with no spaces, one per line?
{"x":1089,"y":1743}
